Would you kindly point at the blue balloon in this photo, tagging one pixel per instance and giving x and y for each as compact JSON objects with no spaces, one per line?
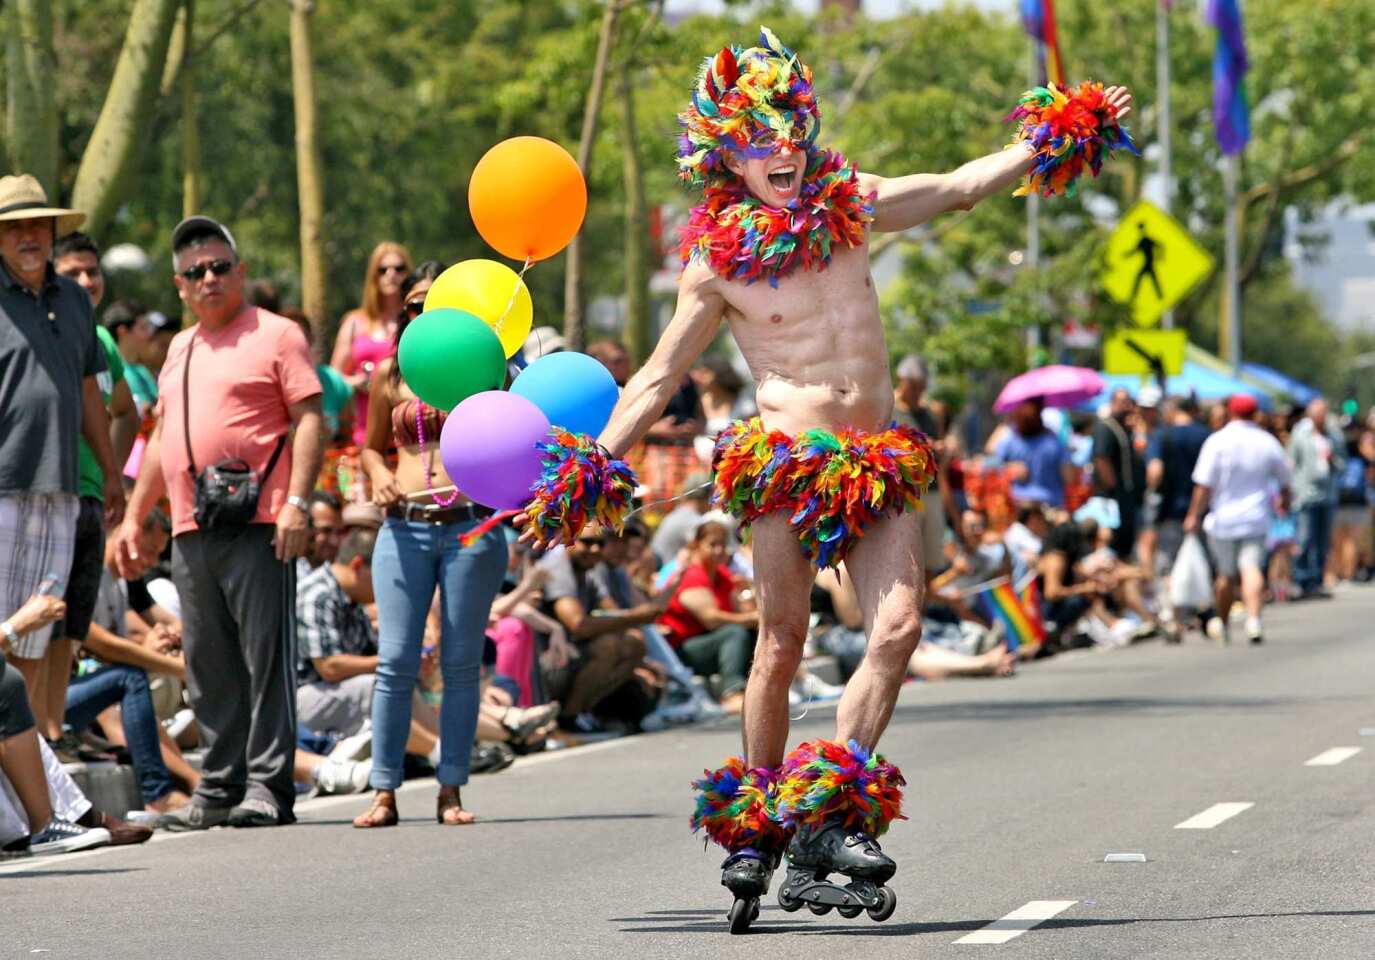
{"x":572,"y":389}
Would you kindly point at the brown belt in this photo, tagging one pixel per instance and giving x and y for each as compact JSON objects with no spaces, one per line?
{"x":436,"y":515}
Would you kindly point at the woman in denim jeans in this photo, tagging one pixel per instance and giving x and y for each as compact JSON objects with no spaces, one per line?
{"x":417,"y":551}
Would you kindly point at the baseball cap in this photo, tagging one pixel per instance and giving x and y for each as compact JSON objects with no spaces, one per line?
{"x":542,"y":342}
{"x":1242,"y":405}
{"x":161,"y":322}
{"x":192,"y":226}
{"x":1149,"y":396}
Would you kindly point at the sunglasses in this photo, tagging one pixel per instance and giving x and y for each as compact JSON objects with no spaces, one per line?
{"x":591,"y":541}
{"x":413,"y":308}
{"x":387,"y":268}
{"x":218,"y":267}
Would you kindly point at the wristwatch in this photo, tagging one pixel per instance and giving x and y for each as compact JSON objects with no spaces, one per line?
{"x":300,"y":503}
{"x":8,"y":632}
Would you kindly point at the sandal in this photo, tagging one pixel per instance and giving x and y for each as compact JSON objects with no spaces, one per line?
{"x":449,"y":808}
{"x":382,"y":813}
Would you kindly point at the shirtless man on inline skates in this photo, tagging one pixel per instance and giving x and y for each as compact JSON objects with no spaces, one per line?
{"x":820,"y":465}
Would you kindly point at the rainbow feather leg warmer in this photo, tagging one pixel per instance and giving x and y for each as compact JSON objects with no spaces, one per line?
{"x":1068,"y":132}
{"x":580,"y":482}
{"x":735,"y":806}
{"x":826,"y":782}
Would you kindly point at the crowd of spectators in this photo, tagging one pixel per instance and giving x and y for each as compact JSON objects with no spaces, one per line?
{"x":338,"y":637}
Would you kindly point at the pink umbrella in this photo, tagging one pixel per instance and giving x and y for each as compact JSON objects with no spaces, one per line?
{"x":1057,"y":386}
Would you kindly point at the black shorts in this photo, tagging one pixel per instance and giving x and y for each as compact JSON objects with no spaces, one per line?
{"x":88,"y":562}
{"x":16,"y":717}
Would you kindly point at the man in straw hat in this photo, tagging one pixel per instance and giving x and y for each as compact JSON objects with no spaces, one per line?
{"x":49,"y":361}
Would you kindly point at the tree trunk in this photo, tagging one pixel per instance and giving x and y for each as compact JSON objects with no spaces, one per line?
{"x":124,"y":118}
{"x":31,"y":109}
{"x":637,"y":240}
{"x":190,"y":132}
{"x":309,"y":185}
{"x":574,"y":326}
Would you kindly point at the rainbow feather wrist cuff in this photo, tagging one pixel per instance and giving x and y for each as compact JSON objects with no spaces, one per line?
{"x":736,"y":807}
{"x":1068,"y":132}
{"x":825,"y":782}
{"x":581,"y":482}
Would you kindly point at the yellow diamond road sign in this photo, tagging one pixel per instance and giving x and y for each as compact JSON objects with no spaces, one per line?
{"x":1152,"y":263}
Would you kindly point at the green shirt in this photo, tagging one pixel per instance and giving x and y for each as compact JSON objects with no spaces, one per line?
{"x":142,"y":384}
{"x":335,"y":394}
{"x":92,"y":478}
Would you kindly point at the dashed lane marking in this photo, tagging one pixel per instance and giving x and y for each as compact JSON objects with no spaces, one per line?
{"x":1217,"y":813}
{"x":1330,"y":758}
{"x":1018,"y":922}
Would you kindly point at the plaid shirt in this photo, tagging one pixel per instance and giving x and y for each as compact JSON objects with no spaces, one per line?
{"x":328,"y":623}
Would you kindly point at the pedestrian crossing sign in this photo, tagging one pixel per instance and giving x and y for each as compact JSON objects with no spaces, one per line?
{"x":1152,"y":263}
{"x":1136,"y":351}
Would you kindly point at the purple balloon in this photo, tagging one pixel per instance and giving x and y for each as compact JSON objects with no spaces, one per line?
{"x":488,"y":447}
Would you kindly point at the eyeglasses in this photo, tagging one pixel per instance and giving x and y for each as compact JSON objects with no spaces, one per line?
{"x":218,"y":267}
{"x":590,"y":542}
{"x":387,"y":268}
{"x":413,"y":308}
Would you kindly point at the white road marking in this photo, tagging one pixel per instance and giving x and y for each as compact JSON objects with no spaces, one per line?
{"x":1217,"y":813}
{"x":1330,"y":758}
{"x":1368,"y":731}
{"x":1018,"y":922}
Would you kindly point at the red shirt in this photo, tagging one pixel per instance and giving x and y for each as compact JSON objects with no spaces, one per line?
{"x":678,"y":623}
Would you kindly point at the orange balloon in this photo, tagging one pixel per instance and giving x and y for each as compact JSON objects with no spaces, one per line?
{"x":527,"y":198}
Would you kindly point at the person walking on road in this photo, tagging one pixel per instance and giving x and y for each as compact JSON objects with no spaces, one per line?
{"x":1318,"y":455}
{"x":237,"y":449}
{"x":1240,"y":470}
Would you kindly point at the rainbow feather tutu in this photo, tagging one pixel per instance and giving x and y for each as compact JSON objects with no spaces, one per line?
{"x":830,"y":485}
{"x":826,"y":782}
{"x":736,"y":807}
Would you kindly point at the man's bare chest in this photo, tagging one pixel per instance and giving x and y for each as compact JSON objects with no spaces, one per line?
{"x":842,"y":289}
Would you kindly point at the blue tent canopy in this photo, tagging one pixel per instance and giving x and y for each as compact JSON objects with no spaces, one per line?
{"x":1194,"y":378}
{"x":1283,"y":383}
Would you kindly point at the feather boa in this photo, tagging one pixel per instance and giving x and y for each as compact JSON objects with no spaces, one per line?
{"x":1068,"y":132}
{"x":830,"y":485}
{"x":824,"y":782}
{"x":581,"y":482}
{"x":742,"y":238}
{"x":735,"y":806}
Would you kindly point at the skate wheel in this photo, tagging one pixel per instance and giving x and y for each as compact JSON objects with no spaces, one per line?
{"x":742,"y":914}
{"x":820,"y":909}
{"x":887,"y":903}
{"x":788,"y":902}
{"x":849,"y":913}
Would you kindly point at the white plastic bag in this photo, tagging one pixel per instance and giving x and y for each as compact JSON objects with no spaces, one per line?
{"x":1191,"y":578}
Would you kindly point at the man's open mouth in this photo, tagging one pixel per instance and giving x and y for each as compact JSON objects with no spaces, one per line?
{"x":782,"y":178}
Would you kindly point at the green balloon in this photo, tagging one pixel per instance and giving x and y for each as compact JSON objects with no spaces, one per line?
{"x":447,"y":355}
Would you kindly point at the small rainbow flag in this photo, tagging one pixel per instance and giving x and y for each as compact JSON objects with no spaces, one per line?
{"x":1019,"y":608}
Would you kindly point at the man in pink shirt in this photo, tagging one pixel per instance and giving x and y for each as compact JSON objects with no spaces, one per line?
{"x":240,"y":385}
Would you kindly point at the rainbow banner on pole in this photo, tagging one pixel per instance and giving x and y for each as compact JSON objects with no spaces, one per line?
{"x":1018,"y":608}
{"x":1038,"y":18}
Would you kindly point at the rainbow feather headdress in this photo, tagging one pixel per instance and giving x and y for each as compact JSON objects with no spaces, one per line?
{"x":746,"y":100}
{"x":1069,"y":131}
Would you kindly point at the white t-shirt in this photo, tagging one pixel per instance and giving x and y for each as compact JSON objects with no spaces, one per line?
{"x":1243,"y":466}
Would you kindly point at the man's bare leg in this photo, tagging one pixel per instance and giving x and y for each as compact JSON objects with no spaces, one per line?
{"x":783,"y":578}
{"x":886,"y":566}
{"x":57,"y":671}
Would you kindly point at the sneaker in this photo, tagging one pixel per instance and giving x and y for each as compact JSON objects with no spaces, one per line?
{"x":356,"y":747}
{"x":258,"y":813}
{"x":813,"y":688}
{"x":1217,"y":630}
{"x":670,"y":715}
{"x":1254,"y":633}
{"x":192,"y":816}
{"x":582,"y":723}
{"x":16,"y":848}
{"x":343,"y":776}
{"x":179,"y":723}
{"x":59,"y":836}
{"x":523,"y":721}
{"x":490,"y":757}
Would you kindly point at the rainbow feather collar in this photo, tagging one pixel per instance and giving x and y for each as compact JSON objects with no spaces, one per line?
{"x":742,"y":238}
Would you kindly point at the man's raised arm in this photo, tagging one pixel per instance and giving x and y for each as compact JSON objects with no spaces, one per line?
{"x":905,"y":202}
{"x":689,"y":333}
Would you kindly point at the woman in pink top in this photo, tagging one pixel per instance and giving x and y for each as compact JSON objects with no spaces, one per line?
{"x":366,"y":334}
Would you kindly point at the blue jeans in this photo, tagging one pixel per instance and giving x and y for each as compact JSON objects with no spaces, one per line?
{"x":1315,"y":539}
{"x":409,"y":561}
{"x":88,"y":695}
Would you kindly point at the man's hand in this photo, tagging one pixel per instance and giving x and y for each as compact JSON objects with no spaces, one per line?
{"x":1019,"y":472}
{"x":37,"y":612}
{"x":1119,"y":98}
{"x":561,"y":652}
{"x":293,"y":531}
{"x":124,"y":544}
{"x":1191,"y":522}
{"x":160,"y":639}
{"x":113,"y":492}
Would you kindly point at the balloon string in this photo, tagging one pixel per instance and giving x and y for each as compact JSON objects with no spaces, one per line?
{"x":520,"y":282}
{"x":658,"y":503}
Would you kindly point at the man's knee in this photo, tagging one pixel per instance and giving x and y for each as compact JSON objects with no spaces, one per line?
{"x":778,"y":651}
{"x":893,"y":640}
{"x":632,"y":647}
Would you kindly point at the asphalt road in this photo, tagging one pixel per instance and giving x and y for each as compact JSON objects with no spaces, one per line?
{"x":1018,"y":790}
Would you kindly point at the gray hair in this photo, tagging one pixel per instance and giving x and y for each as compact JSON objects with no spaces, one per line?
{"x":913,"y":367}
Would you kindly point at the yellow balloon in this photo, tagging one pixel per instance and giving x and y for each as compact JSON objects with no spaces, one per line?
{"x":485,"y":289}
